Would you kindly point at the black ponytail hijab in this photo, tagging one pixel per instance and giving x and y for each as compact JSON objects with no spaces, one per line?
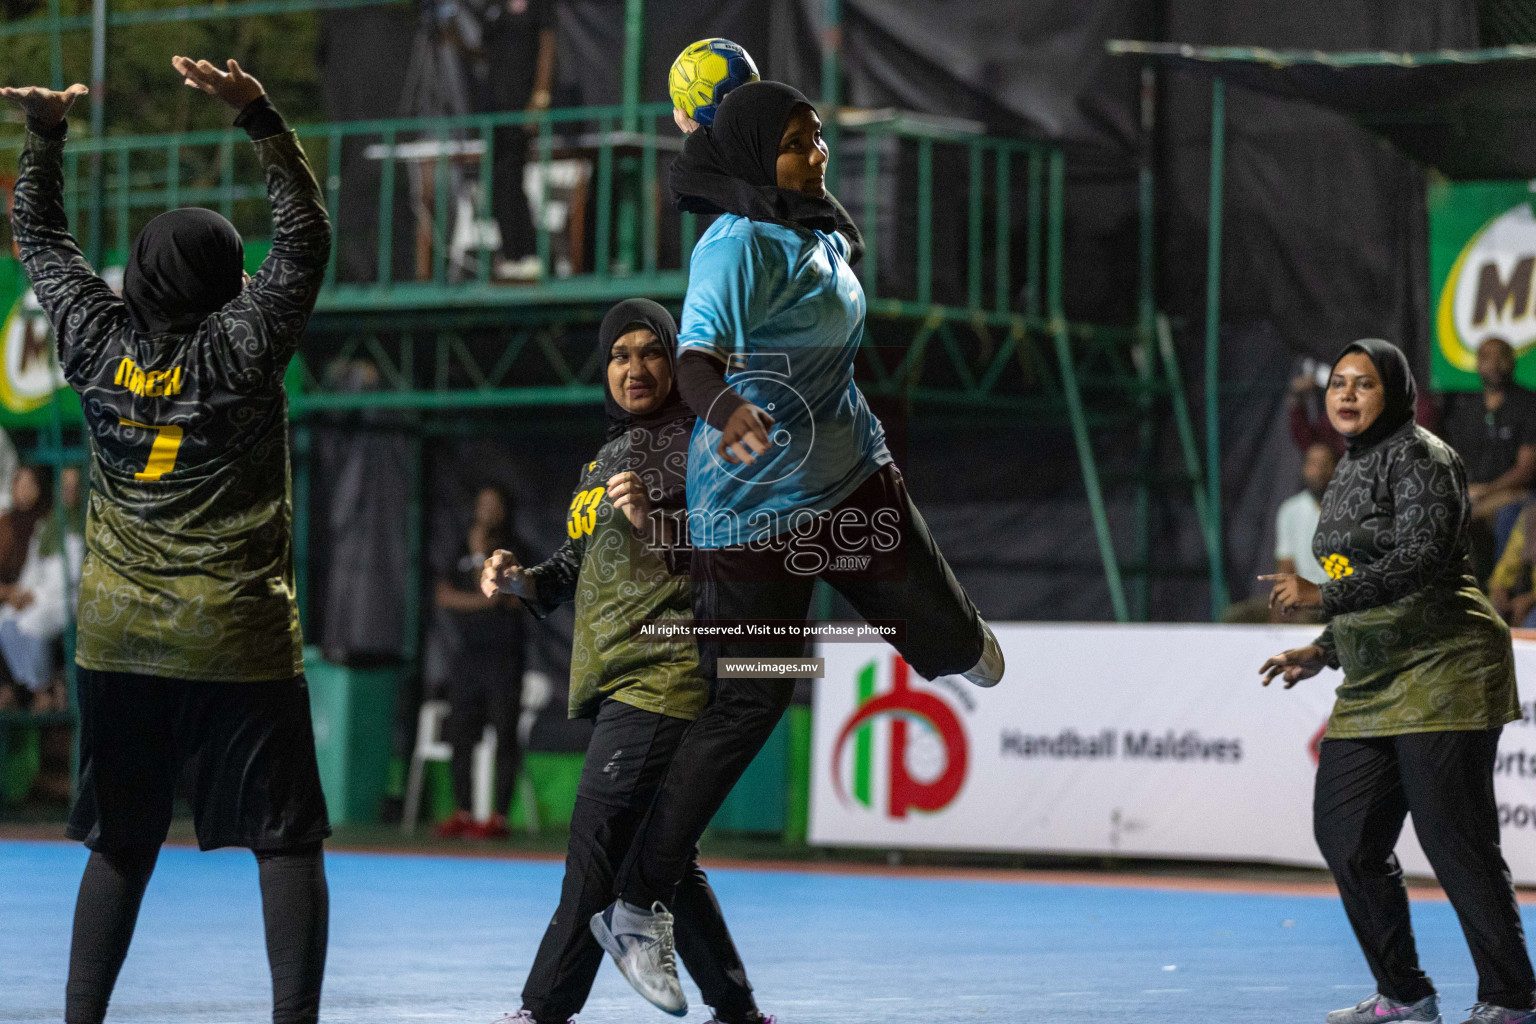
{"x":1397,"y":385}
{"x":621,"y":319}
{"x":185,"y":266}
{"x":732,"y":166}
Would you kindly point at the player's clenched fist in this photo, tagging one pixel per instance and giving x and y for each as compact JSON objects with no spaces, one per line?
{"x":627,"y":492}
{"x":502,"y":575}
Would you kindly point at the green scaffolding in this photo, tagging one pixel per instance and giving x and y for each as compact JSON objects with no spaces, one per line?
{"x":1001,"y":345}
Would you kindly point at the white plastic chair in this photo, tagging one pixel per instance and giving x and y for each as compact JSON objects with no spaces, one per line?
{"x":430,"y":746}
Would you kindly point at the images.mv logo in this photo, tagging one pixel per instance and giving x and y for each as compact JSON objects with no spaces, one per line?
{"x":911,"y":737}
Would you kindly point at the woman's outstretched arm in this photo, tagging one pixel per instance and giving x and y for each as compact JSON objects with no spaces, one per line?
{"x":82,"y":309}
{"x":263,"y":326}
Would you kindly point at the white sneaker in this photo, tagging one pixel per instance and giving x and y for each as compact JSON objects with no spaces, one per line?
{"x":640,"y":942}
{"x":522,"y":1017}
{"x":989,"y":670}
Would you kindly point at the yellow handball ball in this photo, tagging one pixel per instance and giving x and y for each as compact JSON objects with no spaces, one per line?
{"x":704,"y":73}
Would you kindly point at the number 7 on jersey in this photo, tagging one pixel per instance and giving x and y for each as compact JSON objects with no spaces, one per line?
{"x":162,"y":454}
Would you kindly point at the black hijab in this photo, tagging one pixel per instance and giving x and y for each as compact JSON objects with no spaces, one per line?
{"x":622,"y":318}
{"x":186,"y":265}
{"x":1397,"y":386}
{"x":732,"y":166}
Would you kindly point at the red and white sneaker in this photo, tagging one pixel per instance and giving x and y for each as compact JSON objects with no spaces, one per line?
{"x":457,"y":827}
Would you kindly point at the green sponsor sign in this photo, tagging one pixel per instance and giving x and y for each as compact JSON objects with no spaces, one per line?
{"x":30,"y":380}
{"x":1482,"y":256}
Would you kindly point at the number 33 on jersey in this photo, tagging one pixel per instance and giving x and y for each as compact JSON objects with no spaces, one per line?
{"x":583,"y":514}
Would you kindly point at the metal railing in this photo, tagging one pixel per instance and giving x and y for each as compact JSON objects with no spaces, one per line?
{"x":963,"y":232}
{"x":936,"y":206}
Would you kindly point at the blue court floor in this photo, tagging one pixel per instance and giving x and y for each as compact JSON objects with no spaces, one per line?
{"x":450,"y":939}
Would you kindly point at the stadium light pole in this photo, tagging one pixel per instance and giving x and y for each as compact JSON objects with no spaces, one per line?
{"x":634,"y":40}
{"x":98,"y":124}
{"x":1146,"y":327}
{"x":832,"y":82}
{"x":55,"y":45}
{"x":1212,"y":347}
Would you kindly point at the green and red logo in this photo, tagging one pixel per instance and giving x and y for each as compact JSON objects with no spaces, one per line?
{"x":922,"y":746}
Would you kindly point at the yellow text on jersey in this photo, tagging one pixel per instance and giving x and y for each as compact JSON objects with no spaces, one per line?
{"x":148,"y":385}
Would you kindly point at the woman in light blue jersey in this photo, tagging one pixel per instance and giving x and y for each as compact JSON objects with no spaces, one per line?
{"x":789,"y":479}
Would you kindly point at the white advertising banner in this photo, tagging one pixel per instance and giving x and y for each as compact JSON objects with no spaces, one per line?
{"x":1131,"y":740}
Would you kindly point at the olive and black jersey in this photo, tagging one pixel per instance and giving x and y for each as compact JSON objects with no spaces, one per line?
{"x":188,"y":571}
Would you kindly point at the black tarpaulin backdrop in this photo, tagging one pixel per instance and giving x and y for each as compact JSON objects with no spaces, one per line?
{"x":1467,"y":120}
{"x":1324,"y":242}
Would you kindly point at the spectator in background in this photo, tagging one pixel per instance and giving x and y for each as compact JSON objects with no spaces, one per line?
{"x":520,"y":63}
{"x":1495,"y":435}
{"x":1511,"y":585}
{"x":1295,"y":525}
{"x":72,"y":496}
{"x":1296,"y":521}
{"x":33,"y":618}
{"x":484,"y":637}
{"x":8,"y":464}
{"x":31,"y":501}
{"x":1309,"y":426}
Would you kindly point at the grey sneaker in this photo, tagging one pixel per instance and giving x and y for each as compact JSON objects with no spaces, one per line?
{"x":640,"y":942}
{"x":1381,"y":1010}
{"x":989,"y":670}
{"x":522,"y":1017}
{"x":1487,"y":1013}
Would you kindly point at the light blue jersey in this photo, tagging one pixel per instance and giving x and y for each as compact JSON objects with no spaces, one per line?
{"x":786,"y":312}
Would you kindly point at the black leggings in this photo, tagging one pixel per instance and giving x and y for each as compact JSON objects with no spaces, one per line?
{"x":295,"y":905}
{"x":1365,"y":788}
{"x":908,"y":584}
{"x":626,"y":760}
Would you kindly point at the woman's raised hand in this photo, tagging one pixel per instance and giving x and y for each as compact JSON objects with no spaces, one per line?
{"x":502,"y":575}
{"x":627,"y":492}
{"x":45,"y":106}
{"x":234,"y":86}
{"x":1295,"y":665}
{"x":745,"y":436}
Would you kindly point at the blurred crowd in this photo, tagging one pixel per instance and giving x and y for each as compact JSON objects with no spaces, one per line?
{"x":1492,"y":429}
{"x":42,"y":543}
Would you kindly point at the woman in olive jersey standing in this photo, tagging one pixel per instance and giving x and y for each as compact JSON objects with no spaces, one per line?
{"x":625,"y":562}
{"x":1429,"y":683}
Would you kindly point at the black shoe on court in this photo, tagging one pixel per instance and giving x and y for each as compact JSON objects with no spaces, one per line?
{"x":640,"y":942}
{"x":1487,"y":1013}
{"x":1380,"y":1009}
{"x":989,"y":670}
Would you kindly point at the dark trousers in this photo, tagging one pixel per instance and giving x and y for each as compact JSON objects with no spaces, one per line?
{"x":909,"y":582}
{"x":509,"y":202}
{"x":1365,"y":788}
{"x":627,"y":757}
{"x":485,"y":691}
